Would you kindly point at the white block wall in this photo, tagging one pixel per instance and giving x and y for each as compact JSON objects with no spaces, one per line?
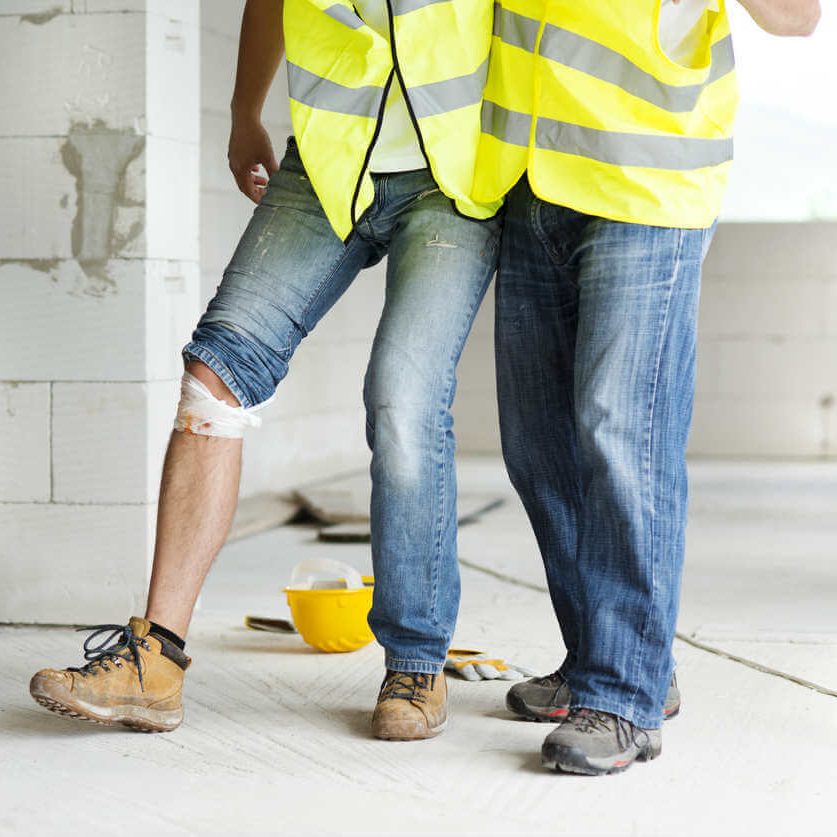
{"x":316,"y":425}
{"x":99,"y":285}
{"x":767,"y":350}
{"x":767,"y":385}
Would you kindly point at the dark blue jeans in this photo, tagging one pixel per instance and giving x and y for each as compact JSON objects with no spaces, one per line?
{"x":596,"y":328}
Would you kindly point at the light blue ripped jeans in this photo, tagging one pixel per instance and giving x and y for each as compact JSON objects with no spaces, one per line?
{"x":288,"y":271}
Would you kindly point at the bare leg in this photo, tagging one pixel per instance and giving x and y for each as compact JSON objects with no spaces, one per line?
{"x":198,"y":496}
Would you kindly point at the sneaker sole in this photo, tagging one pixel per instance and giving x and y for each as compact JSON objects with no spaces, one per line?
{"x":573,"y":760}
{"x":133,"y":717}
{"x":549,"y":715}
{"x":555,"y":715}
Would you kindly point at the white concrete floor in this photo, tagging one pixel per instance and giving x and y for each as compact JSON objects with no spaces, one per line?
{"x":276,"y":735}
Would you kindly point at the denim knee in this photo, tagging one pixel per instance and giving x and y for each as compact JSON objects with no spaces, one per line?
{"x":515,"y":458}
{"x":250,"y":370}
{"x":400,"y":437}
{"x":612,"y":448}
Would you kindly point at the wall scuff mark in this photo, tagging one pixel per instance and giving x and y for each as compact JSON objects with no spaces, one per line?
{"x":826,"y":404}
{"x":7,"y":388}
{"x":40,"y":18}
{"x":41,"y":265}
{"x":98,"y":157}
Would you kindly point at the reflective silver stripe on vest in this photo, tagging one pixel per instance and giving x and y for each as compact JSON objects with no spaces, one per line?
{"x":618,"y":149}
{"x":643,"y":150}
{"x":601,"y":62}
{"x":606,"y":64}
{"x":514,"y":29}
{"x":450,"y":94}
{"x":318,"y":92}
{"x":403,"y":7}
{"x":345,"y":15}
{"x":510,"y":126}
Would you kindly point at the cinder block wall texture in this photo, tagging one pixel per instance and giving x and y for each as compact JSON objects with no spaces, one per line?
{"x":117,"y":219}
{"x":99,"y":283}
{"x":767,"y":352}
{"x":315,"y":427}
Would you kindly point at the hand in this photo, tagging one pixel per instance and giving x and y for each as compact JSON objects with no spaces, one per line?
{"x":250,"y":149}
{"x":785,"y":17}
{"x":474,"y":665}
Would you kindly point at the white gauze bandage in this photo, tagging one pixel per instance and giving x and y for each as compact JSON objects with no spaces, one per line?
{"x":201,"y":413}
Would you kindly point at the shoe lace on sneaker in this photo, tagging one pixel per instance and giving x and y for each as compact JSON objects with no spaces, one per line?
{"x":590,"y":720}
{"x":555,"y":679}
{"x":120,"y":644}
{"x":407,"y":685}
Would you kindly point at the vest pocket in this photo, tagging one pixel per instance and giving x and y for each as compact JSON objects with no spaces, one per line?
{"x":674,"y":71}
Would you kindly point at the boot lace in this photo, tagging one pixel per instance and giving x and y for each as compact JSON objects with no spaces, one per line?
{"x":407,"y":685}
{"x":120,"y":644}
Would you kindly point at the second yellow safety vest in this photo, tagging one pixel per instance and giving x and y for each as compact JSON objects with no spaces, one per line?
{"x":339,"y":74}
{"x":582,"y":95}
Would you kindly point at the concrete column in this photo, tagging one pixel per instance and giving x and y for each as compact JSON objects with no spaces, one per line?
{"x":99,"y":287}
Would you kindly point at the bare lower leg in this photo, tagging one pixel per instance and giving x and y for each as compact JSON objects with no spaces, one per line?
{"x":198,"y":497}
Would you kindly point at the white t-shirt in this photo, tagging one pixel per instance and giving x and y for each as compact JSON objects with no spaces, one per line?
{"x":680,"y":28}
{"x":397,"y":147}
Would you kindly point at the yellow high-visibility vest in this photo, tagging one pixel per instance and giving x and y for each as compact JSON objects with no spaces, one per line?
{"x":582,"y":95}
{"x":339,"y":76}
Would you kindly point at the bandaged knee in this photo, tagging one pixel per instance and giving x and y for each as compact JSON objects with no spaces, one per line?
{"x":202,"y":414}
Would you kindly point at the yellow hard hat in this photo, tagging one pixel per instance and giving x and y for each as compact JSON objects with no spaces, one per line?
{"x":330,"y":603}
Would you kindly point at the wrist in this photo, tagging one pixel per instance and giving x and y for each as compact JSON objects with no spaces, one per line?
{"x":245,"y":112}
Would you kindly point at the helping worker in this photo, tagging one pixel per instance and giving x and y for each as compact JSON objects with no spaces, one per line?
{"x":621,"y":116}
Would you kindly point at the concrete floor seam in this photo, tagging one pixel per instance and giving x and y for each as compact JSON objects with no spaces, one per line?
{"x":799,"y":681}
{"x":701,"y":646}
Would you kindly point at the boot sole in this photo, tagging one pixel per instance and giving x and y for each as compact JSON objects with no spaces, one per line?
{"x":396,"y":732}
{"x":133,"y":717}
{"x":573,"y":760}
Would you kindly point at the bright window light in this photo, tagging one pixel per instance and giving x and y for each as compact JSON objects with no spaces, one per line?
{"x":786,"y":135}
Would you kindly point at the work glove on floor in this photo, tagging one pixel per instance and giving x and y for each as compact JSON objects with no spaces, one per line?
{"x":476,"y":665}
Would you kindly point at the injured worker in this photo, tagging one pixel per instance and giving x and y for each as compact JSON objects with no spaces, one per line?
{"x":381,"y":164}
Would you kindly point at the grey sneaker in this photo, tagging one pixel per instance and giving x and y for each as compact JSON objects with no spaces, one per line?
{"x":548,"y":699}
{"x":540,"y":698}
{"x":595,"y":743}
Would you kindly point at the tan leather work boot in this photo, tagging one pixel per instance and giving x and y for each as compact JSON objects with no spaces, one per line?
{"x":411,"y":706}
{"x":133,"y":678}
